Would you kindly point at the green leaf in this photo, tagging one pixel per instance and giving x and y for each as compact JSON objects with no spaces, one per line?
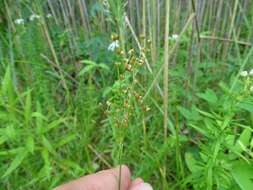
{"x":28,"y":108}
{"x":243,"y":174}
{"x":246,"y":106}
{"x":10,"y":132}
{"x":2,"y":139}
{"x":191,"y":114}
{"x":186,"y":113}
{"x":192,"y":163}
{"x":86,"y":69}
{"x":65,"y":140}
{"x":205,"y":113}
{"x":54,"y":124}
{"x":92,"y":65}
{"x":16,"y":162}
{"x":243,"y":141}
{"x":46,"y":143}
{"x":46,"y":170}
{"x":209,"y":96}
{"x":7,"y":88}
{"x":200,"y":130}
{"x":30,"y":144}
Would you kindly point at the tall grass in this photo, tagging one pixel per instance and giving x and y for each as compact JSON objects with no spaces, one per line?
{"x":169,"y":101}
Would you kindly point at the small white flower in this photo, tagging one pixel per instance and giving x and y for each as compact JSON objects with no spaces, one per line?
{"x":251,"y":72}
{"x":114,"y":45}
{"x":244,"y":73}
{"x":19,"y":21}
{"x":49,"y":15}
{"x":175,"y":36}
{"x":33,"y":17}
{"x":251,"y":89}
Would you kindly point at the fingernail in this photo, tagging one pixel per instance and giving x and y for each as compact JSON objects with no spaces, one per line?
{"x":144,"y":186}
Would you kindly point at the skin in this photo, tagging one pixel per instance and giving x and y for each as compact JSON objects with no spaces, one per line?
{"x":107,"y":179}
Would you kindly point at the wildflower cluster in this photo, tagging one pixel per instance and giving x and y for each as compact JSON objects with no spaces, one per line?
{"x":125,"y":95}
{"x":173,"y":37}
{"x":248,"y":75}
{"x":32,"y":17}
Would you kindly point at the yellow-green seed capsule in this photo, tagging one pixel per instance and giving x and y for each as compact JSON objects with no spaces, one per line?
{"x":147,"y":109}
{"x":142,"y":36}
{"x":131,"y":51}
{"x":114,"y":37}
{"x":129,"y":67}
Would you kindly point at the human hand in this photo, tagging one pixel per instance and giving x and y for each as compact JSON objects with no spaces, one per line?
{"x":107,"y":180}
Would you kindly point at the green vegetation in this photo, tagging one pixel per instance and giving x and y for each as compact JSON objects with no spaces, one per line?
{"x":163,"y":86}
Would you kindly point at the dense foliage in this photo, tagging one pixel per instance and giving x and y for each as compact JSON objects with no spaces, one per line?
{"x":83,"y":87}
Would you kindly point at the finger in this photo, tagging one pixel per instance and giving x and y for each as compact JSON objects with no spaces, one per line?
{"x":108,"y":179}
{"x":142,"y":186}
{"x":137,"y":181}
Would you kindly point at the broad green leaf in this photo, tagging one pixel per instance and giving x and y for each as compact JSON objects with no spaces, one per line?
{"x":200,"y":130}
{"x":86,"y":69}
{"x":209,"y":96}
{"x":186,"y":113}
{"x":243,"y":141}
{"x":191,"y":114}
{"x":104,"y":67}
{"x":92,"y":65}
{"x":16,"y":162}
{"x":192,"y":163}
{"x":230,"y":139}
{"x":205,"y":113}
{"x":88,"y":62}
{"x":243,"y":174}
{"x":246,"y":106}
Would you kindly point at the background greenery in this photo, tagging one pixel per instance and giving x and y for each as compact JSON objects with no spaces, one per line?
{"x":69,"y":106}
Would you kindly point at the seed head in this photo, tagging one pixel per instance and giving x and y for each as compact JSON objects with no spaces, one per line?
{"x":131,"y":51}
{"x":108,"y":103}
{"x":121,"y":77}
{"x":147,"y":109}
{"x":114,"y":37}
{"x":129,"y":67}
{"x":141,"y":62}
{"x":142,"y":36}
{"x":126,"y":104}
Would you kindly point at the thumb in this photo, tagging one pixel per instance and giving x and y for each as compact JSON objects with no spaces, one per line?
{"x":142,"y":186}
{"x":107,"y":179}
